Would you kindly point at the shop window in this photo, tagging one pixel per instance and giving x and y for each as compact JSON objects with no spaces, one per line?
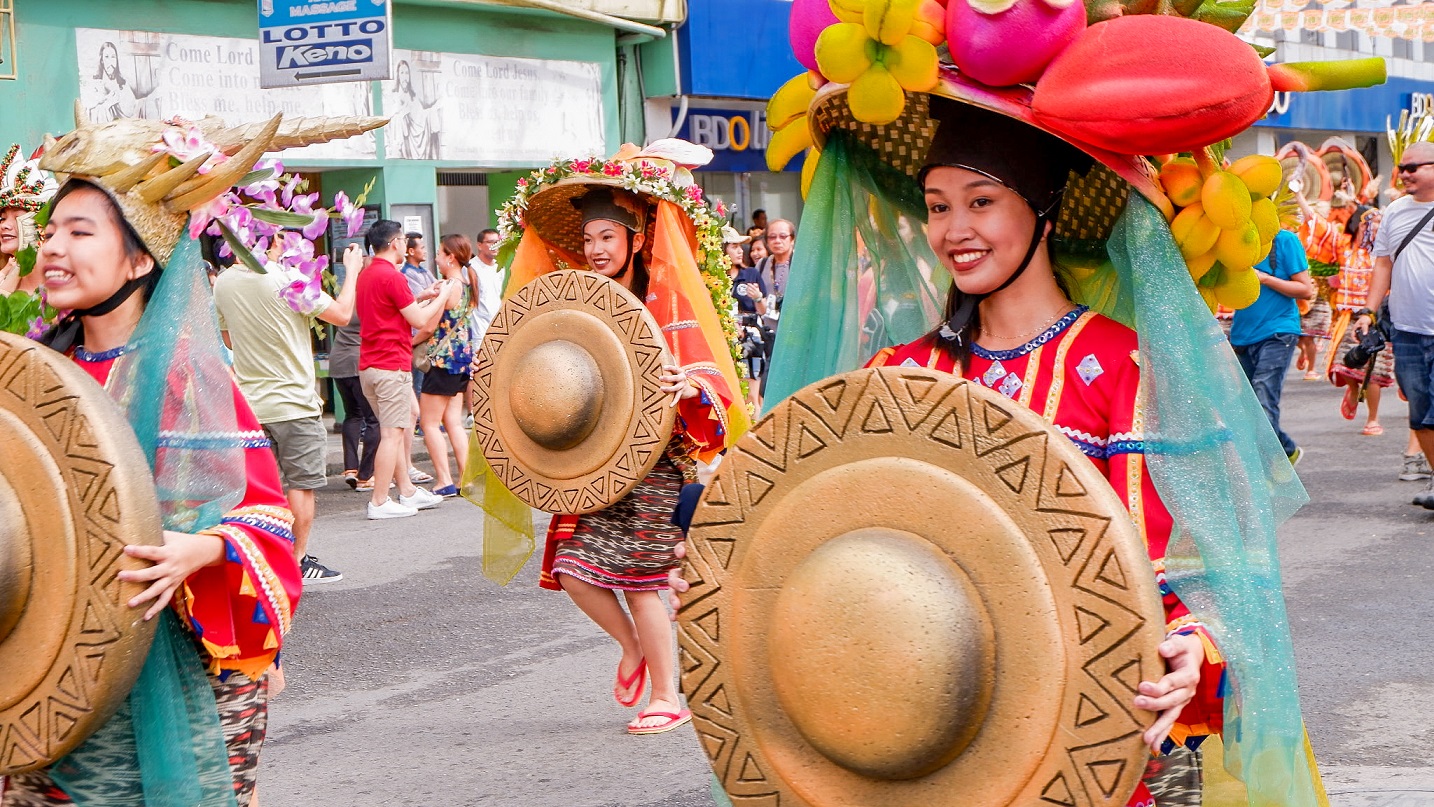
{"x":1403,"y":49}
{"x":7,"y":39}
{"x":1346,"y":40}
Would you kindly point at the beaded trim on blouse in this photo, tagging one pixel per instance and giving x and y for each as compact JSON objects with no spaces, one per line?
{"x":1046,"y":336}
{"x":105,"y":355}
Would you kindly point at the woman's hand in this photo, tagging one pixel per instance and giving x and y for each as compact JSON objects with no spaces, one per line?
{"x":181,"y":555}
{"x":674,"y":379}
{"x":676,"y":586}
{"x":1169,"y":695}
{"x":429,"y":293}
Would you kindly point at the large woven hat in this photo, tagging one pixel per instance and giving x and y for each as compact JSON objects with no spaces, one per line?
{"x":554,"y":214}
{"x":1091,"y":204}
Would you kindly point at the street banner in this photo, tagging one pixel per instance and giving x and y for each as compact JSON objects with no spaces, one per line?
{"x":142,"y":74}
{"x":491,"y":111}
{"x":304,"y":42}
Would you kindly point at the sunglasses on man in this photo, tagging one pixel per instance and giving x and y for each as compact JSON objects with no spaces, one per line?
{"x":1409,"y":168}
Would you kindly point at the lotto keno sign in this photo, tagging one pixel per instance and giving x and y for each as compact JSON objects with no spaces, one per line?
{"x":323,"y":41}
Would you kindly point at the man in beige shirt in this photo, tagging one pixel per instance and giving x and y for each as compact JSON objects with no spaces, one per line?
{"x":274,"y":362}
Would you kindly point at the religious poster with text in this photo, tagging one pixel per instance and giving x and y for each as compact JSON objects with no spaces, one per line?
{"x":491,"y":111}
{"x":142,"y":74}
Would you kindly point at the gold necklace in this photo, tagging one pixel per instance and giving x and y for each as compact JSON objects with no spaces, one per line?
{"x":1023,"y":338}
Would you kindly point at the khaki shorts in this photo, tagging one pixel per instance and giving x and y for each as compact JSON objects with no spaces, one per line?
{"x":390,"y":393}
{"x":301,"y":446}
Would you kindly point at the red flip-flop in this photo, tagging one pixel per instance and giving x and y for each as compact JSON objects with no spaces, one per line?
{"x":672,"y":720}
{"x":1349,"y":404}
{"x":638,"y":679}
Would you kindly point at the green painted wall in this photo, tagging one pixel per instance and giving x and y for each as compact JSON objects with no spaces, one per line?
{"x":41,"y":100}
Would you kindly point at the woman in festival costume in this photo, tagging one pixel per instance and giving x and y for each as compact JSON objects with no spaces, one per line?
{"x":224,"y":584}
{"x":641,"y":221}
{"x":1051,"y":264}
{"x":24,"y":189}
{"x":1322,"y":231}
{"x":1350,"y":292}
{"x":450,"y":350}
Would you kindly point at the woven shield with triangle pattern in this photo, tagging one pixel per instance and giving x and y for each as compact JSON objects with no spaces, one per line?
{"x":567,"y":406}
{"x":1091,"y":203}
{"x":907,"y":589}
{"x":74,"y":490}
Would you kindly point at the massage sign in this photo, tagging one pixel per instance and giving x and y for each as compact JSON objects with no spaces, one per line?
{"x":324,"y":41}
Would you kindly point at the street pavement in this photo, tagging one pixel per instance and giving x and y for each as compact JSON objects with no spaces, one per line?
{"x":416,"y":681}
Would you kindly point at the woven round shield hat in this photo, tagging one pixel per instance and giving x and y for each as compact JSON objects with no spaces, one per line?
{"x":976,"y":642}
{"x":75,"y":489}
{"x":554,"y":212}
{"x":1092,"y":202}
{"x":567,"y":407}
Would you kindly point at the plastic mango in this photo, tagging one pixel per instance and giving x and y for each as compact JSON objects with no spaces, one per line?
{"x":1199,"y":265}
{"x":1239,"y":248}
{"x":1013,"y":46}
{"x":1266,"y":218}
{"x":1226,"y":200}
{"x":1180,"y":178}
{"x":1239,"y":289}
{"x":930,"y":23}
{"x":1194,"y":232}
{"x":1260,"y":173}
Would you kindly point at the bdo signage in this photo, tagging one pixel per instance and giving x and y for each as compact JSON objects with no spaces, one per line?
{"x":323,"y":41}
{"x":738,"y":138}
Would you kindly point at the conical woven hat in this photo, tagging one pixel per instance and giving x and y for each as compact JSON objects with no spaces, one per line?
{"x":552,"y":214}
{"x":908,"y":589}
{"x":1091,"y":203}
{"x":75,"y":489}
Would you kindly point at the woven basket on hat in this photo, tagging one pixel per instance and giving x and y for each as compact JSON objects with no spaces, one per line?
{"x":1091,"y":203}
{"x":551,"y":212}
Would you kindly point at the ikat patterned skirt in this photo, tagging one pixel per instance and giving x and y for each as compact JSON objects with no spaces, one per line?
{"x":243,"y":716}
{"x":629,"y":546}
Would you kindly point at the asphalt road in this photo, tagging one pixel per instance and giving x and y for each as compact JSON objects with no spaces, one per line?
{"x":416,"y":681}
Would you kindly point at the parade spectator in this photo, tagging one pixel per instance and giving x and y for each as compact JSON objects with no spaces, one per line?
{"x":781,"y":241}
{"x":360,"y":426}
{"x":449,"y":352}
{"x":274,"y":363}
{"x":756,"y":250}
{"x":421,"y":282}
{"x":1265,"y":334}
{"x":1404,"y":269}
{"x":750,"y":294}
{"x":389,"y":314}
{"x":491,"y":279}
{"x":759,"y":221}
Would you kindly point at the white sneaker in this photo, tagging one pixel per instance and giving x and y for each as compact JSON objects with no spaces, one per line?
{"x":390,"y":509}
{"x":420,"y":500}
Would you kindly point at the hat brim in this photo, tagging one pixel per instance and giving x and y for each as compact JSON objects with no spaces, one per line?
{"x":1091,"y":204}
{"x":552,"y":214}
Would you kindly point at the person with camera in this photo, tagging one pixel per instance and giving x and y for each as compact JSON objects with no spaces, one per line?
{"x":750,"y":293}
{"x":1265,"y":333}
{"x":1404,"y":269}
{"x":781,"y":240}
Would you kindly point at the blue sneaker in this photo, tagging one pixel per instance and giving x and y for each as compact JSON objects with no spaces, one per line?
{"x":447,"y":492}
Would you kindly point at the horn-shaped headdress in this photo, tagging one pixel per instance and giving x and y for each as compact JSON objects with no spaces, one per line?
{"x":130,"y":159}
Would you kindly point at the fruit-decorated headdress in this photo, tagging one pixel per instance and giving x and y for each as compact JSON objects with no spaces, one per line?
{"x":649,"y":189}
{"x":1146,"y":236}
{"x":174,"y":386}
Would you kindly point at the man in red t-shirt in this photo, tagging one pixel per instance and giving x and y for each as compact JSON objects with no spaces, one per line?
{"x":387,"y":314}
